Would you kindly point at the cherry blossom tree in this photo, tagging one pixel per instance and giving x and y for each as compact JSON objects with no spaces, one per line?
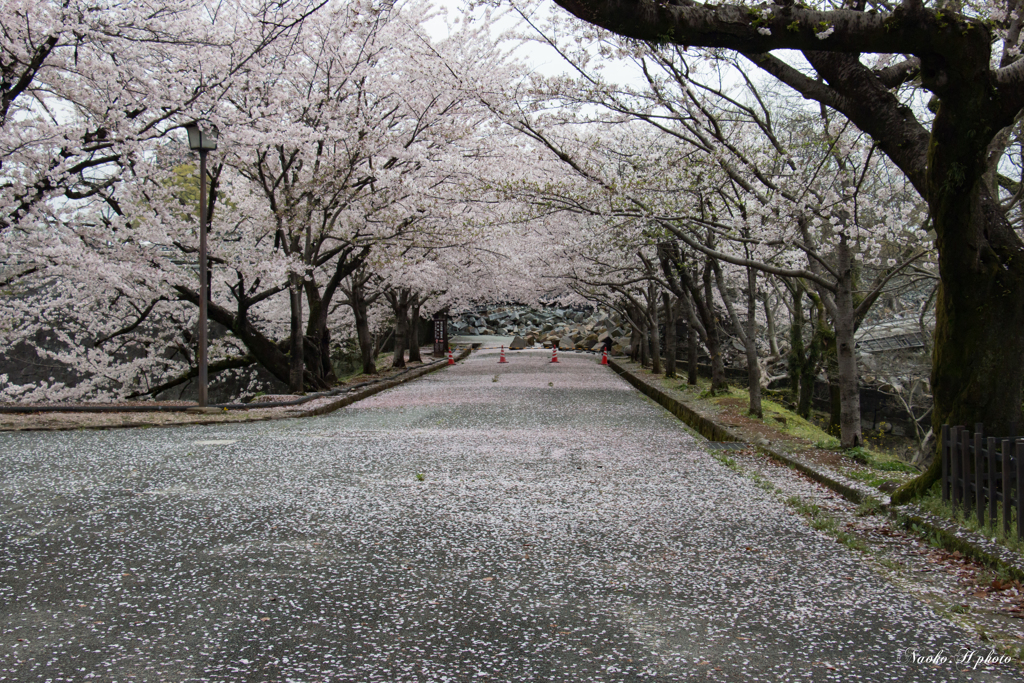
{"x":337,"y":143}
{"x":968,"y":60}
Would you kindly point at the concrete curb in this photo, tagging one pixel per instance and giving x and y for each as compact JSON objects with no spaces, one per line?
{"x":952,"y":535}
{"x":955,"y":537}
{"x":346,"y":400}
{"x":377,"y":388}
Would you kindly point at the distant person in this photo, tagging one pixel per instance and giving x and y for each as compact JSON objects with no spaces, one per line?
{"x":607,"y":345}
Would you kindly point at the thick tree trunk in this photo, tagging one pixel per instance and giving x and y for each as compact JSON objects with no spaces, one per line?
{"x":691,"y":340}
{"x":977,"y":367}
{"x":832,"y":375}
{"x":750,"y":344}
{"x":645,"y":346}
{"x":361,"y":315}
{"x":746,"y":332}
{"x":636,"y":335}
{"x":318,"y":344}
{"x":652,"y":326}
{"x":849,"y":392}
{"x":670,"y":307}
{"x":711,"y":332}
{"x":414,"y":329}
{"x":769,"y":315}
{"x":808,"y":371}
{"x":691,"y":355}
{"x":400,"y":307}
{"x":296,"y":347}
{"x":796,"y":359}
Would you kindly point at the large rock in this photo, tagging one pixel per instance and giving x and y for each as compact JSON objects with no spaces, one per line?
{"x":519,"y":343}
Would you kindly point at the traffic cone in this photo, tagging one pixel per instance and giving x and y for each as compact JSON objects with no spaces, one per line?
{"x":554,"y":354}
{"x":502,"y":359}
{"x":451,"y":360}
{"x":604,"y":356}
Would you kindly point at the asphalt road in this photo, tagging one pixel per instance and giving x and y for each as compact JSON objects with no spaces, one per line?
{"x":518,"y":522}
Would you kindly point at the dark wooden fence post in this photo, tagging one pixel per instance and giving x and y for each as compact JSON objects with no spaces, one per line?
{"x":979,"y":498}
{"x":991,"y":490}
{"x":956,"y":462}
{"x":1005,"y":481}
{"x":1020,"y":488}
{"x":945,"y":454}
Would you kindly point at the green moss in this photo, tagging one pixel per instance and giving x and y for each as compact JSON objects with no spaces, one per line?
{"x":727,"y":461}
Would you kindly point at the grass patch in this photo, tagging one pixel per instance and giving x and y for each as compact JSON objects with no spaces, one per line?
{"x":871,"y":477}
{"x":892,"y":565}
{"x":869,"y":506}
{"x":827,"y":523}
{"x":763,"y":484}
{"x":727,"y":461}
{"x":932,"y":502}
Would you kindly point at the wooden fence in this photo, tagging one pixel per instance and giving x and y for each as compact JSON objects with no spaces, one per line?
{"x":979,"y":473}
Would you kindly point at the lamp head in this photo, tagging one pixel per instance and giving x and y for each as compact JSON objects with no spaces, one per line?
{"x":198,"y":139}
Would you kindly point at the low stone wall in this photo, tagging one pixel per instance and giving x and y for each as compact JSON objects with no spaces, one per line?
{"x":702,"y":425}
{"x":712,"y":431}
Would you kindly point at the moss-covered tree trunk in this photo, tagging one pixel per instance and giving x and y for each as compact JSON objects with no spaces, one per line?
{"x":978,"y":356}
{"x":846,"y":360}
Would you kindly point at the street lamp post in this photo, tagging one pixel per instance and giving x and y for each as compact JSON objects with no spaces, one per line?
{"x":202,"y":142}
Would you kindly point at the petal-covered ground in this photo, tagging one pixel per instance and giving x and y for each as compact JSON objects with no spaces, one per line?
{"x":517,"y":522}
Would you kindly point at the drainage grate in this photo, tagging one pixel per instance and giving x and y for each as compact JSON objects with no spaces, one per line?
{"x":728,"y":445}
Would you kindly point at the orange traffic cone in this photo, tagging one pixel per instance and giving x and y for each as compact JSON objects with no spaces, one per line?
{"x":502,"y":359}
{"x":554,"y":354}
{"x":604,"y":357}
{"x":451,"y":361}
